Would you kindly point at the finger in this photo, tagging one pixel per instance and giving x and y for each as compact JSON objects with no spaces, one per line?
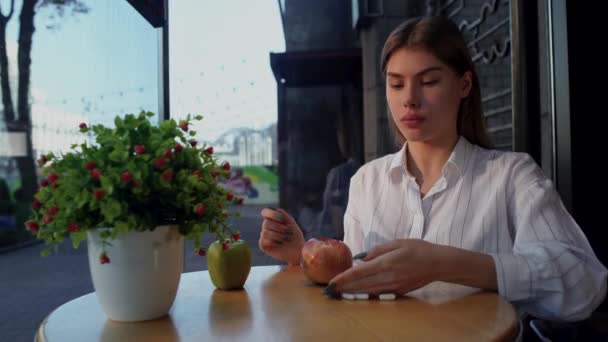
{"x":276,"y":227}
{"x":382,"y":249}
{"x":287,"y":219}
{"x":356,"y":273}
{"x":275,"y":237}
{"x":273,"y":214}
{"x":374,"y":284}
{"x":266,"y":245}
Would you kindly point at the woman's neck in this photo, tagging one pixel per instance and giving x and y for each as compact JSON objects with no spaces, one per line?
{"x":425,"y":160}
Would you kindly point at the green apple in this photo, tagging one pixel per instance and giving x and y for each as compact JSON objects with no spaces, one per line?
{"x":229,"y":263}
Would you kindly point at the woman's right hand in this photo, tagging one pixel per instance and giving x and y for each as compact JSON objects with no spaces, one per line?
{"x":281,"y":237}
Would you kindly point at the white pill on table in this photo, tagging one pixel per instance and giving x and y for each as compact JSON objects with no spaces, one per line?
{"x":348,"y":296}
{"x":387,"y":296}
{"x":362,"y":296}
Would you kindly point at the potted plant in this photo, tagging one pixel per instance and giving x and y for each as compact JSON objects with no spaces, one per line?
{"x":134,"y":194}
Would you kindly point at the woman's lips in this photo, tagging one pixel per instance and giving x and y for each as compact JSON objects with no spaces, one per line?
{"x":412,"y":121}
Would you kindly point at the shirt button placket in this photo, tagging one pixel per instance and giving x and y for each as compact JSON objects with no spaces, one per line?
{"x":416,"y":210}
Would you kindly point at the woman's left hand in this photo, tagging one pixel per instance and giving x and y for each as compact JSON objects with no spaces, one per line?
{"x":397,"y":267}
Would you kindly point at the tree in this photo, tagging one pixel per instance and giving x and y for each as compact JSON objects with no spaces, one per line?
{"x":19,"y":119}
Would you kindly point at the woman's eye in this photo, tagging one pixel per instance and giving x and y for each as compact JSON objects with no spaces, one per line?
{"x":396,"y":86}
{"x":429,"y":82}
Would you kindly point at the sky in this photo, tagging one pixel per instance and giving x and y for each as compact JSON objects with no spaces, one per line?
{"x":105,"y":63}
{"x":220,"y":62}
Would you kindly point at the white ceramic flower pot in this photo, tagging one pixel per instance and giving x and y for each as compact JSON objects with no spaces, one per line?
{"x":141,"y":280}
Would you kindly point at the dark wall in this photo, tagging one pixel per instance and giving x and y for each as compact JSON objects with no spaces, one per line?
{"x":312,"y":113}
{"x":589,"y":145}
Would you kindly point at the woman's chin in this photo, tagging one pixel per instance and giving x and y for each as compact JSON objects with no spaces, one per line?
{"x":414,"y":136}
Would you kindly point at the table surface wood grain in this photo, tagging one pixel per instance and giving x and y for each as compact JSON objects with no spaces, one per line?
{"x":280,"y":304}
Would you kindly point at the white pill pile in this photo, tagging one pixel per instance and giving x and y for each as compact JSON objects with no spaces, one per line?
{"x":366,"y":296}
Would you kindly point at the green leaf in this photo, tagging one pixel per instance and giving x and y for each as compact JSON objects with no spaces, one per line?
{"x":118,"y":122}
{"x":198,"y":117}
{"x":192,"y":133}
{"x":78,"y":237}
{"x":46,"y":252}
{"x":107,"y":185}
{"x":110,"y":209}
{"x":168,"y":126}
{"x":119,"y":155}
{"x":121,"y":228}
{"x":105,"y":234}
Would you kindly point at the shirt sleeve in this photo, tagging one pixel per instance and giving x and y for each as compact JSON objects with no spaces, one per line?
{"x":552,"y":272}
{"x":353,"y":229}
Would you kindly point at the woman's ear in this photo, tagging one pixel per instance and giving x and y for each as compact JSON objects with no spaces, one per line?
{"x":466,"y":82}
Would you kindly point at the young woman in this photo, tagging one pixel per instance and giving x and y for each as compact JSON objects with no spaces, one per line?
{"x":447,"y":207}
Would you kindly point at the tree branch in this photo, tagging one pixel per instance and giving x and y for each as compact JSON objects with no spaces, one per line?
{"x":7,"y":99}
{"x":5,"y":18}
{"x":24,"y":59}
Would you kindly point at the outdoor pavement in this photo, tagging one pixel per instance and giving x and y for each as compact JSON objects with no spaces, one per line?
{"x":32,"y":286}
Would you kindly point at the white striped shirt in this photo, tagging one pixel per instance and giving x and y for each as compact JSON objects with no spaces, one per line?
{"x":489,"y":201}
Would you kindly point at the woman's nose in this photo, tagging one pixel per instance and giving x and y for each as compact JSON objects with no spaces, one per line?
{"x":411,"y":97}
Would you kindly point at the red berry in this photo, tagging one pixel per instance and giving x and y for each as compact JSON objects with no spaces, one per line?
{"x":47,"y":219}
{"x":139,"y":149}
{"x":55,"y":185}
{"x":168,"y":154}
{"x":209,"y":150}
{"x":202,"y":252}
{"x":220,"y":206}
{"x":168,"y":175}
{"x":42,"y":160}
{"x":103,"y":259}
{"x":44,"y":182}
{"x":236,"y":236}
{"x":95,"y":174}
{"x":160,"y":163}
{"x":184,"y":126}
{"x":230,"y":196}
{"x":73,"y":227}
{"x":126,"y":177}
{"x":214,"y":173}
{"x":32,"y":226}
{"x":197,"y":173}
{"x":226,"y":166}
{"x":178,"y":148}
{"x":36,"y":204}
{"x":225,"y":246}
{"x":193,"y":143}
{"x":52,"y":177}
{"x":90,"y":165}
{"x":239,"y":201}
{"x":98,"y":194}
{"x":83,"y":126}
{"x":53,"y":211}
{"x":199,"y":209}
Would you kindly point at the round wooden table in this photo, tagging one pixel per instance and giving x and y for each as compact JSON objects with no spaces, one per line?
{"x":279,"y":304}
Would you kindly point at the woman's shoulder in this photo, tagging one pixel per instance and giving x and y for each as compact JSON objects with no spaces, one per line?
{"x":377,"y":167}
{"x":519,"y":167}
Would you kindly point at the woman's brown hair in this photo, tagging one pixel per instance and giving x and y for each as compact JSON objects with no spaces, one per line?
{"x":442,"y":38}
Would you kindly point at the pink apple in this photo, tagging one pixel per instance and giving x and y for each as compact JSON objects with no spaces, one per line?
{"x":324,"y":258}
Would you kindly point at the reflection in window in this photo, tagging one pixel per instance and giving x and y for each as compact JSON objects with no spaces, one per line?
{"x":220,"y":68}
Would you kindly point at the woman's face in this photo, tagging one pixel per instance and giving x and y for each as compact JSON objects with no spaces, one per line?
{"x":424,"y":95}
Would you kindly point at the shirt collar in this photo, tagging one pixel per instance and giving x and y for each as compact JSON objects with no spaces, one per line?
{"x":457,"y":160}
